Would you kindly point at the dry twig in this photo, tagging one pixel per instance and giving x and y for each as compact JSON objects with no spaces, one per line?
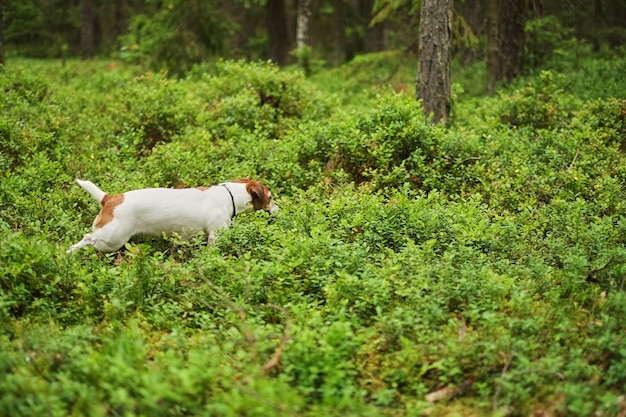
{"x":273,"y":362}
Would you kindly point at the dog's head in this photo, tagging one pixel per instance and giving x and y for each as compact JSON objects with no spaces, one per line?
{"x":261,"y":195}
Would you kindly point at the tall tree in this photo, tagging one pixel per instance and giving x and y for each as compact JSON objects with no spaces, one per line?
{"x":303,"y":22}
{"x":339,"y":34}
{"x":1,"y":32}
{"x":470,"y":18}
{"x":493,"y":51}
{"x":277,"y":33}
{"x":506,"y":20}
{"x":373,"y":31}
{"x":111,"y":23}
{"x":511,"y":37}
{"x":434,"y":56}
{"x":86,"y":29}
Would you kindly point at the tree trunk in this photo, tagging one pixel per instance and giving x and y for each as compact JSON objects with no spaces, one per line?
{"x":374,"y":37}
{"x":473,"y":12}
{"x":434,"y":54}
{"x":506,"y":20}
{"x":86,"y":29}
{"x":303,"y":23}
{"x":598,"y":12}
{"x":120,"y":18}
{"x":111,"y":23}
{"x":1,"y":32}
{"x":619,"y":16}
{"x":511,"y":38}
{"x":493,"y":51}
{"x":277,"y":31}
{"x":339,"y":35}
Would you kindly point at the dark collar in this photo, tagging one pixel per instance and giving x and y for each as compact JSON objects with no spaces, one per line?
{"x":232,"y":199}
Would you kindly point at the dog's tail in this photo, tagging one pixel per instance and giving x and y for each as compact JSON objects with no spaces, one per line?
{"x":92,"y":189}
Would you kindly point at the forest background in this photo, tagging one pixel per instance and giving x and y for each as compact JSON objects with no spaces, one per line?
{"x":473,"y":267}
{"x":176,"y":34}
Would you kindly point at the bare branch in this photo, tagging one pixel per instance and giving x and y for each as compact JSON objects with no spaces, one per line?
{"x":273,"y":362}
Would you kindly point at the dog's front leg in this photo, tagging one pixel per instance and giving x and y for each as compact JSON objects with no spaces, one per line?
{"x":211,"y":239}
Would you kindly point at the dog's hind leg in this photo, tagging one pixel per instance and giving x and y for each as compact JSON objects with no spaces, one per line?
{"x":86,"y":241}
{"x":108,"y":239}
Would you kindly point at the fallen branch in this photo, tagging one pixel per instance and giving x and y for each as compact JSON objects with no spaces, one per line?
{"x":245,"y":329}
{"x":591,"y":274}
{"x":505,"y":368}
{"x":571,"y":165}
{"x":249,"y":335}
{"x":273,"y":362}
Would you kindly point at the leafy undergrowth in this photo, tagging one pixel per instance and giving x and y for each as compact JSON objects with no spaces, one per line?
{"x":475,"y":269}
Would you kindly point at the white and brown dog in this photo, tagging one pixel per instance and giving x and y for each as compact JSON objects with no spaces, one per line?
{"x":155,"y":211}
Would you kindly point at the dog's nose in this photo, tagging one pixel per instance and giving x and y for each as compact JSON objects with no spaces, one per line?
{"x":273,"y":208}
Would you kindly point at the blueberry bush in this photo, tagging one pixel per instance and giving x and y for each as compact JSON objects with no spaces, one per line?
{"x":477,"y":268}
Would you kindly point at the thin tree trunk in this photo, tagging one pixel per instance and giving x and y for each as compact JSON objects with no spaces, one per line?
{"x":86,"y":29}
{"x":598,"y":12}
{"x":339,"y":35}
{"x":493,"y":48}
{"x":374,"y":37}
{"x":433,"y":76}
{"x":277,"y":31}
{"x":511,"y":38}
{"x":1,"y":32}
{"x":619,"y":15}
{"x":303,"y":23}
{"x":505,"y":38}
{"x":474,"y":14}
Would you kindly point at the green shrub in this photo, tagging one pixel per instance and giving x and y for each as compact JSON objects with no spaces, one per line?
{"x":384,"y":138}
{"x":384,"y":145}
{"x":540,"y":106}
{"x":155,"y":110}
{"x":320,"y":362}
{"x":177,"y":36}
{"x":22,"y":85}
{"x":257,"y":97}
{"x":473,"y":269}
{"x":34,"y":282}
{"x":607,"y":119}
{"x":12,"y":149}
{"x":545,"y":37}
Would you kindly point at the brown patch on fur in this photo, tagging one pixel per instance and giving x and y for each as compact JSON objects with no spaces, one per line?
{"x":203,"y":188}
{"x":109,"y":202}
{"x":260,"y":194}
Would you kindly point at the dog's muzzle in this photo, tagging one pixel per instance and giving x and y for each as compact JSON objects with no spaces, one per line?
{"x":273,"y":208}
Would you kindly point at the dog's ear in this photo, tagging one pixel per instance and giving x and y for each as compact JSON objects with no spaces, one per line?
{"x":260,"y":195}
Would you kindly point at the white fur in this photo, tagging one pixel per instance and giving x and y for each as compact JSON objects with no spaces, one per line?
{"x":154,"y":211}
